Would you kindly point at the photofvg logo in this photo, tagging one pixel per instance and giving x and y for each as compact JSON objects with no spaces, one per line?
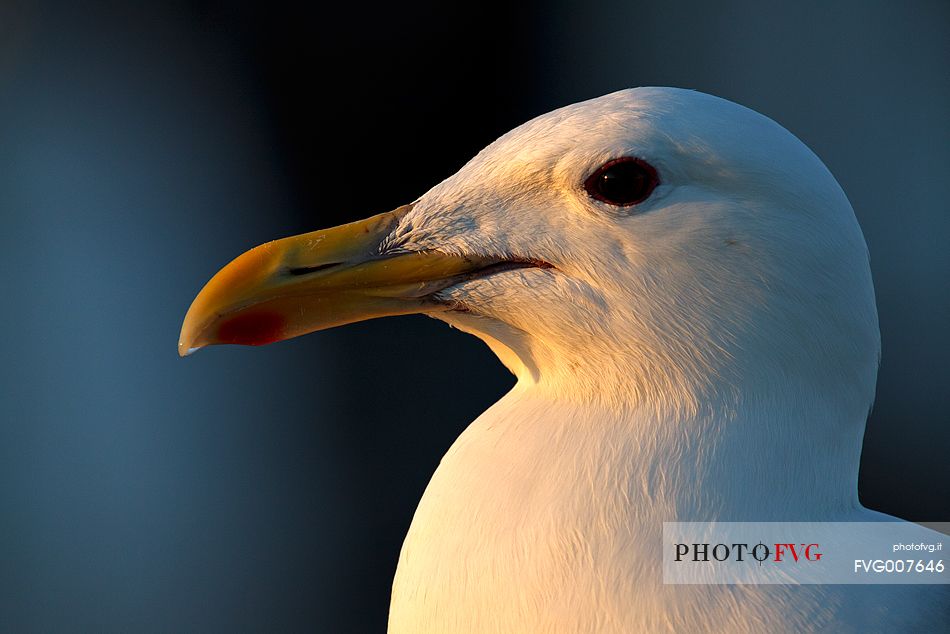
{"x":819,"y":552}
{"x":760,"y":552}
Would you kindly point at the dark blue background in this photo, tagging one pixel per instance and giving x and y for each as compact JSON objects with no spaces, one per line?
{"x":142,"y":147}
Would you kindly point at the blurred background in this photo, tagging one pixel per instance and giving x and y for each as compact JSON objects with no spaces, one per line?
{"x":143,"y":145}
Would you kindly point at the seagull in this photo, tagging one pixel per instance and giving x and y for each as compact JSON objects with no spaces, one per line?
{"x":683,"y":292}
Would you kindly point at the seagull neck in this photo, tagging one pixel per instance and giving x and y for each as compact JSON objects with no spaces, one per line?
{"x":768,"y":455}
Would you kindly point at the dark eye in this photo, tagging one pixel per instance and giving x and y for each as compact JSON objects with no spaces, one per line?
{"x":622,"y":182}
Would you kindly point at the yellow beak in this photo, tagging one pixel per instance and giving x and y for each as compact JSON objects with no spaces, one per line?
{"x":290,"y":287}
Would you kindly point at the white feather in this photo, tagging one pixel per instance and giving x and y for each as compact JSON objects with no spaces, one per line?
{"x":709,"y":354}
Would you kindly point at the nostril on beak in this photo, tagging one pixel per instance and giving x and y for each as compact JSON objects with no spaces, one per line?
{"x":304,"y":270}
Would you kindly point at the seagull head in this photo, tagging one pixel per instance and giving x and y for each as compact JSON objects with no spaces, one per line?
{"x":656,"y":246}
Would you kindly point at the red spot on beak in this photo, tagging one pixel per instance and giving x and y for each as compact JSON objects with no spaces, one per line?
{"x":252,"y":329}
